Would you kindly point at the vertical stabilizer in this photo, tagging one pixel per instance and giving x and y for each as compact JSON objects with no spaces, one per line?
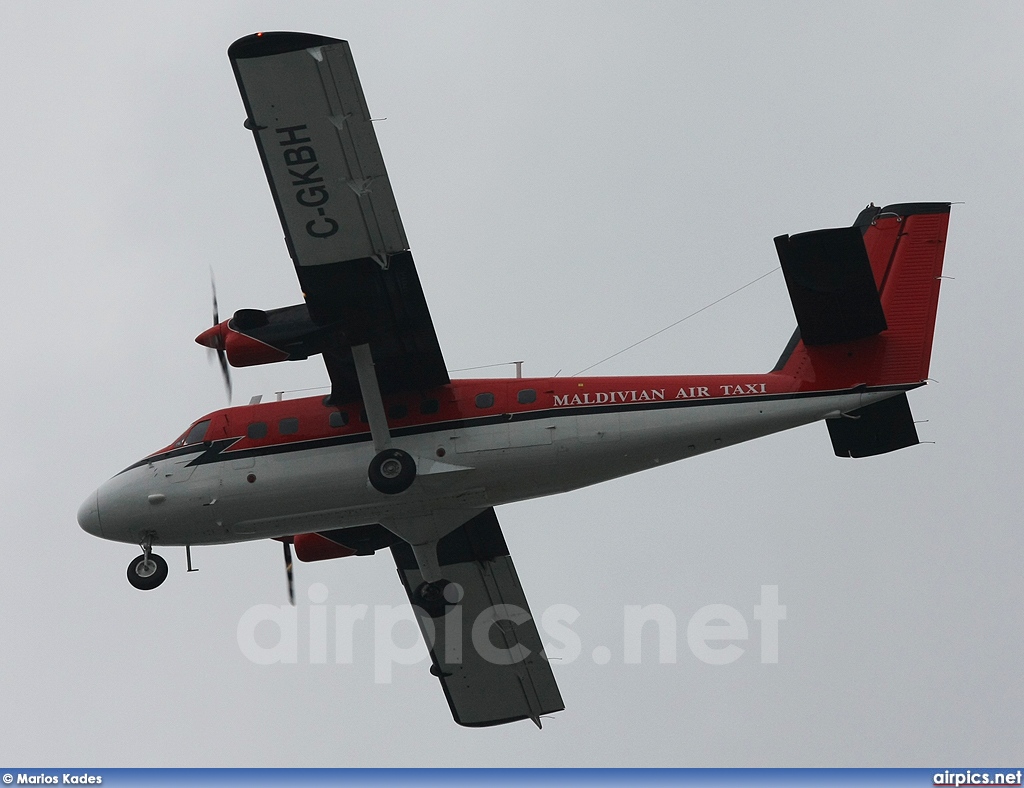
{"x":866,"y":305}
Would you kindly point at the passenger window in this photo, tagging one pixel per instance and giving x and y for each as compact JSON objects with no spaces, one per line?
{"x":338,"y":418}
{"x":485,"y":400}
{"x":288,"y":426}
{"x":362,"y":416}
{"x":526,"y":396}
{"x":429,"y":406}
{"x":398,"y":412}
{"x":257,"y":430}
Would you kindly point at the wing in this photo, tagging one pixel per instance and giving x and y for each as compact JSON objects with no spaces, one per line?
{"x":305,"y":107}
{"x":485,"y":649}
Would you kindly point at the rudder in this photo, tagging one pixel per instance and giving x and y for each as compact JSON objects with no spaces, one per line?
{"x":909,"y":287}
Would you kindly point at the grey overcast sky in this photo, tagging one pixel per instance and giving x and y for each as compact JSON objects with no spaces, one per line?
{"x":573,"y":176}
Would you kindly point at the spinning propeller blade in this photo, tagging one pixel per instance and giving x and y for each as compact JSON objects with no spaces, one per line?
{"x":222,"y":356}
{"x":213,"y":289}
{"x":288,"y":570}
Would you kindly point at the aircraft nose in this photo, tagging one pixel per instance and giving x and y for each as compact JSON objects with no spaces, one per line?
{"x":89,"y":515}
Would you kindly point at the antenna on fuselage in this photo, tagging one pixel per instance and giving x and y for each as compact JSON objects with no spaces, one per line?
{"x":680,"y":320}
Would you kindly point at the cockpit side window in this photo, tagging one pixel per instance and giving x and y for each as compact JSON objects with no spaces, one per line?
{"x":194,"y":435}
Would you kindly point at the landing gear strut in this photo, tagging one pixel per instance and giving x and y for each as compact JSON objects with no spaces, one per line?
{"x":148,"y":570}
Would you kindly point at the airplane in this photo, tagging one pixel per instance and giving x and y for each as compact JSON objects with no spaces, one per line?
{"x":401,"y":456}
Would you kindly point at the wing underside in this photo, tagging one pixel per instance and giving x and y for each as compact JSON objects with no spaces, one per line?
{"x":485,"y":649}
{"x":484,"y":644}
{"x":306,"y":109}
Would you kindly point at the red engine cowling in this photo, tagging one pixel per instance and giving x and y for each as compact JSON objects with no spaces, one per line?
{"x":242,"y":350}
{"x":255,"y":336}
{"x":313,"y":547}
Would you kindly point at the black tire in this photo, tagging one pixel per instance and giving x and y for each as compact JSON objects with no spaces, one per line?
{"x":392,"y":471}
{"x":147,"y":578}
{"x":435,"y":598}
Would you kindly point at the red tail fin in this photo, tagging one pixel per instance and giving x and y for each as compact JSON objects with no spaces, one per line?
{"x":904,"y":245}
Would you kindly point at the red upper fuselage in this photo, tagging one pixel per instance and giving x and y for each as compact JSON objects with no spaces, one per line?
{"x":466,"y":402}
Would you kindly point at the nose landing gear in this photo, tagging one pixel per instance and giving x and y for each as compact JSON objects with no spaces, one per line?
{"x":148,"y":570}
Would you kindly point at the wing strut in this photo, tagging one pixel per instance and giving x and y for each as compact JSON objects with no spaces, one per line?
{"x":372,"y":401}
{"x":392,"y":470}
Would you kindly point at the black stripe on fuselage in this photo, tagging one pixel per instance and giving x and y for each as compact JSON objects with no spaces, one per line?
{"x":181,"y":451}
{"x":218,"y":451}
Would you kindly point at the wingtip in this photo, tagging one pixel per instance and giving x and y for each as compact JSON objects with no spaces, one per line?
{"x":276,"y":43}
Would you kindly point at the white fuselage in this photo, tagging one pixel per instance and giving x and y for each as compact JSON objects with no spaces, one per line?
{"x":304,"y":488}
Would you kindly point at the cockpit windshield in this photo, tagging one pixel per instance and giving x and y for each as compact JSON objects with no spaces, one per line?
{"x":194,"y":434}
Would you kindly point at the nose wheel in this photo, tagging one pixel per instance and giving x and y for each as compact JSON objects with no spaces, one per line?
{"x":148,"y":570}
{"x":146,"y":574}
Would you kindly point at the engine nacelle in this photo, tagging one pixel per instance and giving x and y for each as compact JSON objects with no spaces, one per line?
{"x":242,"y":350}
{"x":359,"y":540}
{"x":313,"y":547}
{"x":254,"y":336}
{"x":246,"y":351}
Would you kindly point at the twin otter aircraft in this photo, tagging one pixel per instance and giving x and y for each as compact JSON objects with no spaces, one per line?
{"x":401,"y":456}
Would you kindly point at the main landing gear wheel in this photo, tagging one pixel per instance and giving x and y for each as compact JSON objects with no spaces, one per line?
{"x":392,"y":471}
{"x":147,"y":573}
{"x":435,"y":598}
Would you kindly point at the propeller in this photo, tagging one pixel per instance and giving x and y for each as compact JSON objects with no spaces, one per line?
{"x":213,"y":338}
{"x":288,"y":571}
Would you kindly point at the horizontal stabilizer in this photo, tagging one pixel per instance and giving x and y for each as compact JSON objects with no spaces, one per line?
{"x":874,"y":429}
{"x":831,"y":285}
{"x":485,"y":649}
